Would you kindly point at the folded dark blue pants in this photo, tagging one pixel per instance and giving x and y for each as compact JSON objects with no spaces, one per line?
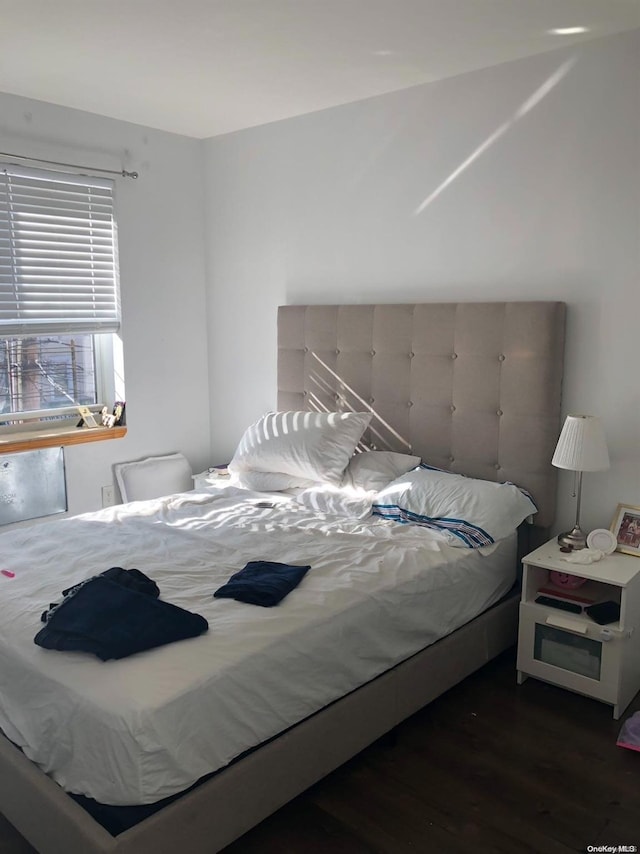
{"x":111,"y":620}
{"x":262,"y":582}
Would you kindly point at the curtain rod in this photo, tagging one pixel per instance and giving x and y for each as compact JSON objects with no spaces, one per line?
{"x":122,"y":172}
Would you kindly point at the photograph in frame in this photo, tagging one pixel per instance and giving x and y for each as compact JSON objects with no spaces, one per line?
{"x":626,"y":528}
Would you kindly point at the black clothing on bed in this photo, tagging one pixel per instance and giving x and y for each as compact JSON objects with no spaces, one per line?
{"x":131,"y":578}
{"x":110,"y":618}
{"x":262,"y":582}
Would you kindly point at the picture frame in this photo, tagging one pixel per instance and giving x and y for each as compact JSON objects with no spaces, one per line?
{"x":119,"y":413}
{"x":626,"y":529}
{"x":87,"y":418}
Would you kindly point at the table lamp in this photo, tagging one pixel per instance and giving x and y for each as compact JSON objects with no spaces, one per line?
{"x":581,"y":447}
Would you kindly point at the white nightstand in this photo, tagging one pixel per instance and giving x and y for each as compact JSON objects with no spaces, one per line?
{"x":210,"y":477}
{"x":571,"y":649}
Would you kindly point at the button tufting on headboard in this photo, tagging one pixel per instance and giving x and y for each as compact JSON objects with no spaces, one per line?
{"x":354,"y":354}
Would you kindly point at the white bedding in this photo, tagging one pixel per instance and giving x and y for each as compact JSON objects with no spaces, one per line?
{"x":137,"y":730}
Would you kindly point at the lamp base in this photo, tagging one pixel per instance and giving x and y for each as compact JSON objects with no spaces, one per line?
{"x":574,"y":540}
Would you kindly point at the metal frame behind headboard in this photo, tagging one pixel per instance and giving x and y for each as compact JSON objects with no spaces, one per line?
{"x":471,"y":387}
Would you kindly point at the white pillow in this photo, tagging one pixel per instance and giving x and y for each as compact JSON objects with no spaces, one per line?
{"x":153,"y":477}
{"x":472,"y":512}
{"x":270,"y":481}
{"x":375,"y":469}
{"x":313,"y":446}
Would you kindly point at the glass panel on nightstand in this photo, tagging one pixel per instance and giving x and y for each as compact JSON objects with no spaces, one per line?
{"x":570,"y":652}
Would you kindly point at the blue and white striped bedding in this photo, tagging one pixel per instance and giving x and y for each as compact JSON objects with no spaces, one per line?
{"x":473,"y":513}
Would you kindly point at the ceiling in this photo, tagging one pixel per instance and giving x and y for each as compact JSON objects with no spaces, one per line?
{"x":208,"y":67}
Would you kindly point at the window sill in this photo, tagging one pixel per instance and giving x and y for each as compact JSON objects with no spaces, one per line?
{"x":32,"y":440}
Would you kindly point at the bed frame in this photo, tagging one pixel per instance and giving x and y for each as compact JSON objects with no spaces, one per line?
{"x":471,"y":387}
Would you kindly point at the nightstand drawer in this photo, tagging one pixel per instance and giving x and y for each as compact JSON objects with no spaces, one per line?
{"x":570,"y":650}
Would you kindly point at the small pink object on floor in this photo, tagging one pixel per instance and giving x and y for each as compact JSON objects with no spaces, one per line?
{"x":8,"y":573}
{"x":630,"y":733}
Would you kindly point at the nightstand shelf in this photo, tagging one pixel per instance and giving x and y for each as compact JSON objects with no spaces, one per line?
{"x":570,"y":649}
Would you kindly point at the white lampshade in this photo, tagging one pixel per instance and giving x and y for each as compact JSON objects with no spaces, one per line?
{"x":581,"y":446}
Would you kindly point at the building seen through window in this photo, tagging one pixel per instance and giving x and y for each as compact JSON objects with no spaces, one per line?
{"x":47,"y":372}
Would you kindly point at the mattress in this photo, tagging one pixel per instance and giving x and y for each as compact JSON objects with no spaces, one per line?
{"x":139,"y":729}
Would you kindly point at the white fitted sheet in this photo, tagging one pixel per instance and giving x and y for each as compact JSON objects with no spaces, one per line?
{"x":137,"y":730}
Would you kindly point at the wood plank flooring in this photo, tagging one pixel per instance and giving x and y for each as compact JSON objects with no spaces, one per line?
{"x":491,"y":768}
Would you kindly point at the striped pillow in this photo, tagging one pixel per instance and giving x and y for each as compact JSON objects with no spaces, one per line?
{"x":473,"y":513}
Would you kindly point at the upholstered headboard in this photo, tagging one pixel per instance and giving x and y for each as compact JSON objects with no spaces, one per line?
{"x":470,"y":387}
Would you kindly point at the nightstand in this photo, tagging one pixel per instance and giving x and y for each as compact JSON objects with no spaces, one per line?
{"x":213,"y":476}
{"x":570,"y":649}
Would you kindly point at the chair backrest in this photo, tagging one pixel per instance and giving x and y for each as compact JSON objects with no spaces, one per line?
{"x":153,"y":477}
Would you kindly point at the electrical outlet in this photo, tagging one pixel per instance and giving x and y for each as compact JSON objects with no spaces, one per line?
{"x":108,"y":496}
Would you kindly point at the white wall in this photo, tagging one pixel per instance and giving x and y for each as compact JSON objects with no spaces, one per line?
{"x":533,"y":171}
{"x":161,"y":244}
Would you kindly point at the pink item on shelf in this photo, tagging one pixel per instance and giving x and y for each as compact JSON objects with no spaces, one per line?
{"x":568,"y":582}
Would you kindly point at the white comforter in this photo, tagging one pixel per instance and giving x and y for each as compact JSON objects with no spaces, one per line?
{"x":145,"y":727}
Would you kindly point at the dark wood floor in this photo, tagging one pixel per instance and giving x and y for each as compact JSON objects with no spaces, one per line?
{"x":489,"y":767}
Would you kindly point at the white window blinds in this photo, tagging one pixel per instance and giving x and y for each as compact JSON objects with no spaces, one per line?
{"x":58,"y":253}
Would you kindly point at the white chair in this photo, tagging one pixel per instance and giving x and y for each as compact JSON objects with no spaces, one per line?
{"x":153,"y":477}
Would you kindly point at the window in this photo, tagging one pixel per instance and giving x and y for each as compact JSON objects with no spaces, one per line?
{"x":59,"y":298}
{"x":47,"y":372}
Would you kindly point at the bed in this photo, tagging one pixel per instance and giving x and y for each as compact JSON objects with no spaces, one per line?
{"x":470,"y":388}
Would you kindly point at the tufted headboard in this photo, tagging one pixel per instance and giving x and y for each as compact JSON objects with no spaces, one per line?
{"x":470,"y":387}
